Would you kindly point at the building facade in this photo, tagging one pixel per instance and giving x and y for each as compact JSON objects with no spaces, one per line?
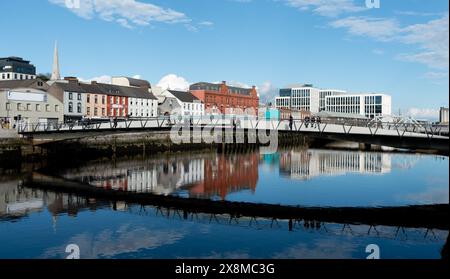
{"x":15,"y":68}
{"x":99,"y":100}
{"x":28,"y":102}
{"x":306,"y":98}
{"x":73,"y":97}
{"x":180,"y":103}
{"x":221,"y":98}
{"x":369,"y":105}
{"x":141,"y":103}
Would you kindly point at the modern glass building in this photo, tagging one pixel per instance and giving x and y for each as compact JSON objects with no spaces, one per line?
{"x":309,"y":99}
{"x":369,"y":105}
{"x":15,"y":68}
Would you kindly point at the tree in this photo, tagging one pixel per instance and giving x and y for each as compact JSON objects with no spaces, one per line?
{"x":44,"y":77}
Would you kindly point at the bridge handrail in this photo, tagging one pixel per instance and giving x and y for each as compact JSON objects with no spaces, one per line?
{"x":165,"y":121}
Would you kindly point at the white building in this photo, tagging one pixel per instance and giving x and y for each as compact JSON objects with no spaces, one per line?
{"x":180,"y":103}
{"x":141,"y":103}
{"x":368,"y":105}
{"x":309,"y":99}
{"x":325,"y":93}
{"x":71,"y":94}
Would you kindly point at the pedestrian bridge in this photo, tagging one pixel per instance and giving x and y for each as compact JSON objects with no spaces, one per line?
{"x":398,"y":135}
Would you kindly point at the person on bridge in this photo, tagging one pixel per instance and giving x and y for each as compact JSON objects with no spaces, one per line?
{"x":291,"y":121}
{"x":115,"y":122}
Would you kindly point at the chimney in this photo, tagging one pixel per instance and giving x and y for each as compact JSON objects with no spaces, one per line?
{"x":94,"y":82}
{"x":71,"y":79}
{"x":224,"y":82}
{"x":253,"y":87}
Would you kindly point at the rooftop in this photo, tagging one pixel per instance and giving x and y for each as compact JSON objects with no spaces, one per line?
{"x":184,"y":96}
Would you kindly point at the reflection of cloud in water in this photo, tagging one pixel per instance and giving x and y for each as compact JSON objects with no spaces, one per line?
{"x":109,"y":244}
{"x":431,"y":195}
{"x":324,"y":249}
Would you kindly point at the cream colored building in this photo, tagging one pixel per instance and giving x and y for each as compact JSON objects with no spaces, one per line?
{"x":28,"y":102}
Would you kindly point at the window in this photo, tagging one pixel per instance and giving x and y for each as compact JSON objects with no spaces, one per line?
{"x":56,"y":108}
{"x":88,"y":98}
{"x":95,"y":111}
{"x":378,"y":100}
{"x":70,"y":96}
{"x":88,"y":111}
{"x":96,"y":99}
{"x":8,"y":106}
{"x":79,"y":107}
{"x":29,"y":107}
{"x":70,"y":107}
{"x":79,"y":97}
{"x":103,"y":111}
{"x":15,"y":76}
{"x":38,"y":107}
{"x":21,"y":77}
{"x":103,"y":100}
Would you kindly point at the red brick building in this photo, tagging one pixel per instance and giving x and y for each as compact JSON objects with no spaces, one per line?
{"x":221,"y":98}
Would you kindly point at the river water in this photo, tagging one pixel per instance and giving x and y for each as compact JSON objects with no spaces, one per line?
{"x":40,"y":224}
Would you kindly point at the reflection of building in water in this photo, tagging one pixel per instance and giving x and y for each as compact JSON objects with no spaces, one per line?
{"x":16,"y":200}
{"x":225,"y":174}
{"x":198,"y":174}
{"x":310,"y":163}
{"x":160,"y":176}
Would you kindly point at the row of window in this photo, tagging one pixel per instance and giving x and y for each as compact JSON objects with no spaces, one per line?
{"x":29,"y":107}
{"x":373,"y":100}
{"x":301,"y":93}
{"x":343,"y":101}
{"x":344,"y":109}
{"x":7,"y":76}
{"x":190,"y":106}
{"x":78,"y":96}
{"x":78,"y":107}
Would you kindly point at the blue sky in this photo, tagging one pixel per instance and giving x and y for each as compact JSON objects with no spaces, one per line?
{"x":400,"y":48}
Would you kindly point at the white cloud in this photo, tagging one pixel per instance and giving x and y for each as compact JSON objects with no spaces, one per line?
{"x":432,"y":38}
{"x":206,"y":23}
{"x":172,"y":81}
{"x":423,"y":113}
{"x":99,"y":79}
{"x":377,"y":28}
{"x":329,"y":8}
{"x":267,"y":92}
{"x":128,"y":13}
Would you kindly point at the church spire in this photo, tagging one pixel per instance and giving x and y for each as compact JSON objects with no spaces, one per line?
{"x":55,"y":71}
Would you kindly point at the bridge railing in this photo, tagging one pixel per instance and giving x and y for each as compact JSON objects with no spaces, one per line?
{"x":243,"y":122}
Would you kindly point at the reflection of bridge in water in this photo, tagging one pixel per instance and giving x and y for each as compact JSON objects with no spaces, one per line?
{"x":426,"y":216}
{"x":58,"y":203}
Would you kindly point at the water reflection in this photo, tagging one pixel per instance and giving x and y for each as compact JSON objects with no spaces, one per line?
{"x":310,"y":177}
{"x":106,"y":229}
{"x":310,"y":163}
{"x":39,"y":224}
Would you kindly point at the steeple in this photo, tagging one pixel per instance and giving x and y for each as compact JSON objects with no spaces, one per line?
{"x":55,"y":71}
